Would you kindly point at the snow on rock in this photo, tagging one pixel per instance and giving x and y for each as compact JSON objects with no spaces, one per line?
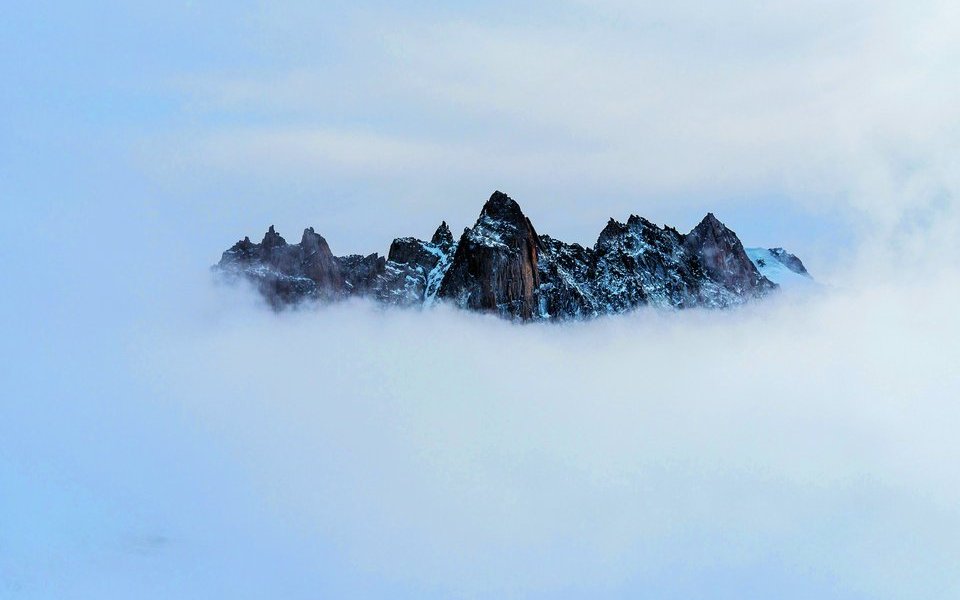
{"x":780,"y":267}
{"x":502,"y":265}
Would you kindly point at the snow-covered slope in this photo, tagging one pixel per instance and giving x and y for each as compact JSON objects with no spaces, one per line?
{"x":780,"y":267}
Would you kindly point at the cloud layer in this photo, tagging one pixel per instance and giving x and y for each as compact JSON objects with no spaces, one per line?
{"x":795,"y":448}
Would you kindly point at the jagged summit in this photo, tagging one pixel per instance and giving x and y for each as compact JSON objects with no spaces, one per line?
{"x":636,"y":220}
{"x":502,"y":265}
{"x":501,"y":224}
{"x":495,"y":264}
{"x":503,"y":208}
{"x":710,"y":220}
{"x":612,"y":229}
{"x":724,"y":259}
{"x":442,"y":236}
{"x":272,"y":239}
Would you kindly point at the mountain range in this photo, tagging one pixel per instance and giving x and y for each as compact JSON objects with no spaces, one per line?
{"x":502,"y":265}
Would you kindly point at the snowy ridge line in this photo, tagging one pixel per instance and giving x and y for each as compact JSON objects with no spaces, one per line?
{"x":502,"y":265}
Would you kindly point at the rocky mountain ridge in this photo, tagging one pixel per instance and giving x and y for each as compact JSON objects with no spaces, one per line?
{"x":502,"y":265}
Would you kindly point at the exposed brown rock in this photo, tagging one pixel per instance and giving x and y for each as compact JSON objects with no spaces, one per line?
{"x":319,"y":264}
{"x":723,"y":258}
{"x":495,"y":265}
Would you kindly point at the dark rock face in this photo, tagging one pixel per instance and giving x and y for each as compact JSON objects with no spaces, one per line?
{"x":414,"y":252}
{"x":723,"y":258}
{"x":567,"y":288}
{"x":319,"y":264}
{"x":501,"y":265}
{"x":639,"y":263}
{"x":278,"y":269}
{"x":361,"y":274}
{"x":495,"y":265}
{"x":442,"y":236}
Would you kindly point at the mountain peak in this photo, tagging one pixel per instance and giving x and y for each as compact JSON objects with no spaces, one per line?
{"x":710,"y":221}
{"x":272,"y":239}
{"x":242,"y":250}
{"x":503,"y":208}
{"x":495,"y":266}
{"x":311,"y":237}
{"x":723,"y":257}
{"x":443,"y":235}
{"x":501,"y":265}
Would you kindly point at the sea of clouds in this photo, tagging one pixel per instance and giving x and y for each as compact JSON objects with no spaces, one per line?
{"x":800,"y":447}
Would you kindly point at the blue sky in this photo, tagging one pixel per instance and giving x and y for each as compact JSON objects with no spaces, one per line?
{"x":375,"y":120}
{"x":162,"y":438}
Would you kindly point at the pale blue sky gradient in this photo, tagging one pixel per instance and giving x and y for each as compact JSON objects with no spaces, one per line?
{"x":183,"y":115}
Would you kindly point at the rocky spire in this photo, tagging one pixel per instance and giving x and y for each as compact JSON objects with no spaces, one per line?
{"x":442,"y":236}
{"x":495,"y":265}
{"x":242,"y":251}
{"x":612,"y":230}
{"x":272,"y":239}
{"x":318,"y":263}
{"x":502,"y":207}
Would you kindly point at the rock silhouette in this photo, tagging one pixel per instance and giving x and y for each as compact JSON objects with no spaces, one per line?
{"x":501,"y":265}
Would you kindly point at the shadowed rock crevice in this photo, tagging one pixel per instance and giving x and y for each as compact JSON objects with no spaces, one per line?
{"x":501,"y":265}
